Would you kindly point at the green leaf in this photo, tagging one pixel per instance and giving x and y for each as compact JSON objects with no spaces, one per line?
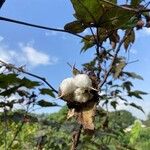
{"x":23,"y":93}
{"x":74,"y":27}
{"x":88,"y":42}
{"x":8,"y":104}
{"x":131,"y":23}
{"x":137,"y":94}
{"x":8,"y":79}
{"x":9,"y":91}
{"x":102,"y":34}
{"x":137,"y":107}
{"x":135,"y":132}
{"x":130,"y":39}
{"x":44,"y":103}
{"x":114,"y":104}
{"x":118,"y":68}
{"x":113,"y":1}
{"x":127,"y":85}
{"x":46,"y":91}
{"x":29,"y":84}
{"x":133,"y":75}
{"x":87,"y":11}
{"x":114,"y":38}
{"x":135,"y":2}
{"x":75,"y":71}
{"x":115,"y":18}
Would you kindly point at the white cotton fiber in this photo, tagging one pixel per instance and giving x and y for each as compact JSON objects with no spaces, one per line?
{"x":82,"y":81}
{"x":67,"y":87}
{"x":82,"y":95}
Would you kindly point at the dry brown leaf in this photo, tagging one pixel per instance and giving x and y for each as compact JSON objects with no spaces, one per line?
{"x":86,"y":116}
{"x":71,"y":113}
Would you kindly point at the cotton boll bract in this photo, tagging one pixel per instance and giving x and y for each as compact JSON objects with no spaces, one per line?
{"x":66,"y":87}
{"x":82,"y":95}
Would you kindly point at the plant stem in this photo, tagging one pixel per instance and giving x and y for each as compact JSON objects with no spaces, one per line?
{"x":39,"y":26}
{"x":114,"y":58}
{"x":75,"y":138}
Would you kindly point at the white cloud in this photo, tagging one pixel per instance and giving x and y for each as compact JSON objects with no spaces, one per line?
{"x":133,"y":51}
{"x":26,"y":55}
{"x":5,"y":54}
{"x":35,"y":57}
{"x":146,"y":31}
{"x":142,"y":33}
{"x":1,"y":38}
{"x":51,"y":33}
{"x":86,"y":32}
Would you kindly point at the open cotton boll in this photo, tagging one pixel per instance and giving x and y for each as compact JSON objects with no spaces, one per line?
{"x":82,"y":81}
{"x":82,"y":95}
{"x":67,"y":87}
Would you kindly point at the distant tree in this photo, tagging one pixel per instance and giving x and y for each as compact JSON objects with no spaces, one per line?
{"x":122,"y":118}
{"x":147,"y":121}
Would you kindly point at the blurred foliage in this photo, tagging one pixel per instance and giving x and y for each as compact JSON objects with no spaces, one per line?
{"x":52,"y":132}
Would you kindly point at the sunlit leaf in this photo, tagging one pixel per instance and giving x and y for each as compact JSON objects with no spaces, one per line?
{"x":87,"y":11}
{"x":137,"y":94}
{"x":88,"y":42}
{"x":115,"y":18}
{"x":129,"y":39}
{"x":118,"y":68}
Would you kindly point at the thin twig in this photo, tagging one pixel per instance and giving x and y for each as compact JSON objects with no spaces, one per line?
{"x":76,"y":138}
{"x":98,"y":54}
{"x":28,"y":73}
{"x":131,"y":62}
{"x":40,"y":27}
{"x":114,"y":58}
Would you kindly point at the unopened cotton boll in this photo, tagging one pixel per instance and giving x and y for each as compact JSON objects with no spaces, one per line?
{"x":82,"y":95}
{"x":67,"y":87}
{"x":82,"y":81}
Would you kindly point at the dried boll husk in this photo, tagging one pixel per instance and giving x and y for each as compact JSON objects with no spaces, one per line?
{"x":67,"y":87}
{"x":82,"y":95}
{"x":83,"y":81}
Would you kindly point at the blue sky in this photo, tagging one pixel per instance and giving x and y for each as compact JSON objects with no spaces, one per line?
{"x":46,"y":53}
